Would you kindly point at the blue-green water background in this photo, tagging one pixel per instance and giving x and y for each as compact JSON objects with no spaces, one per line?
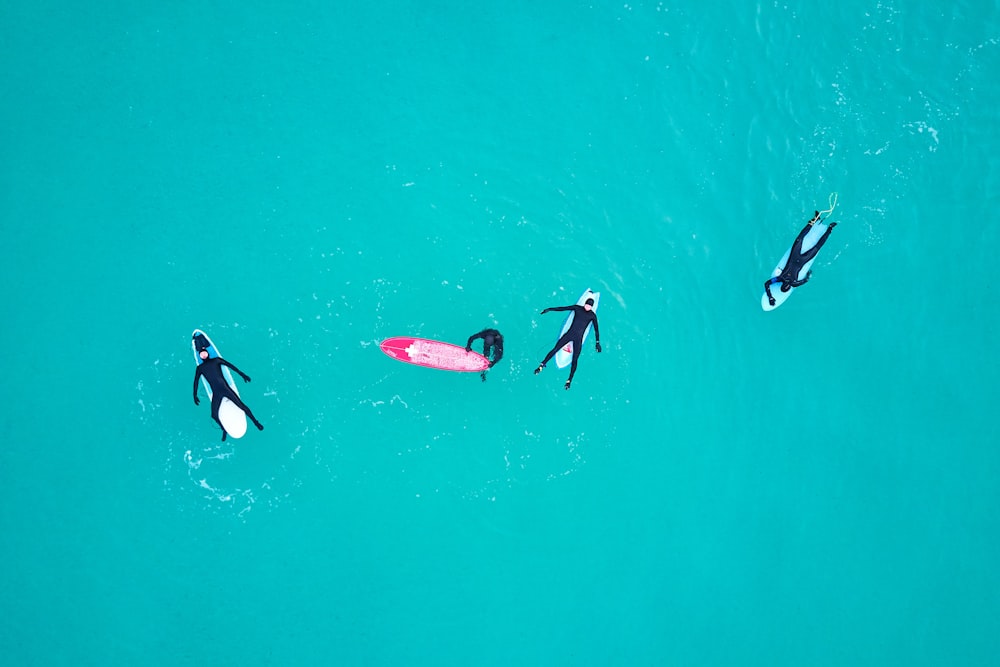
{"x":813,"y":486}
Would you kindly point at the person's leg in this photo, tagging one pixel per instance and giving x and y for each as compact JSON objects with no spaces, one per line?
{"x":577,"y":345}
{"x":231,"y":395}
{"x":565,"y":338}
{"x":797,"y":243}
{"x":809,"y":254}
{"x":216,"y":402}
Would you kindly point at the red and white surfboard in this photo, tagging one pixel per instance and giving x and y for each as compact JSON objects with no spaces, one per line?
{"x":434,"y":354}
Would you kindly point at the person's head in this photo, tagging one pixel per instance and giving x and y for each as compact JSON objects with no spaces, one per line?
{"x":785,"y":287}
{"x":588,"y":304}
{"x":203,"y":353}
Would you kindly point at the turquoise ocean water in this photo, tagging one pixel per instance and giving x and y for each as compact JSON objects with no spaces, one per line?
{"x":721,"y":486}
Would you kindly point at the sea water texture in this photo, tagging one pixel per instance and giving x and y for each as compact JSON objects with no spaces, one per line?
{"x":817,"y":485}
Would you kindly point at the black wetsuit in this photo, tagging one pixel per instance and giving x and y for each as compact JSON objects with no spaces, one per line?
{"x":211,"y":370}
{"x":581,"y":318}
{"x":496,"y":347}
{"x":796,"y":260}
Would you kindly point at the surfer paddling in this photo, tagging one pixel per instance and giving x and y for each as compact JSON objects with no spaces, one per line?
{"x":211,"y":370}
{"x":492,"y":344}
{"x":582,"y":317}
{"x":797,"y":259}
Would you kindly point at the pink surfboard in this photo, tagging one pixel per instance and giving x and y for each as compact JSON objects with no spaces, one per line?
{"x":434,"y":354}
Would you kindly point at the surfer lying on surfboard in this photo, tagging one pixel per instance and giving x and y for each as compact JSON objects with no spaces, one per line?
{"x":583,"y":316}
{"x":797,"y":259}
{"x":211,"y":370}
{"x":491,"y":339}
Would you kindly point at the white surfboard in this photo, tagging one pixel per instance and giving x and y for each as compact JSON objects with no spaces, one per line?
{"x":565,"y":354}
{"x":810,"y":240}
{"x":233,"y":419}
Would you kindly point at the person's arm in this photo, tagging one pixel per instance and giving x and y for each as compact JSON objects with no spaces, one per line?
{"x":800,"y":283}
{"x":468,"y":345}
{"x":555,"y":308}
{"x":497,"y":351}
{"x":767,"y":288}
{"x":597,"y":334}
{"x":197,"y":374}
{"x":246,"y":378}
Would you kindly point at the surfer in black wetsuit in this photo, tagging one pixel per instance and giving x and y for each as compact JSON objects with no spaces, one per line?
{"x":492,"y":341}
{"x":796,"y":260}
{"x":211,"y":370}
{"x":582,"y":316}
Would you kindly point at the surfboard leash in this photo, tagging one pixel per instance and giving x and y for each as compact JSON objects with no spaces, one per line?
{"x":833,"y":204}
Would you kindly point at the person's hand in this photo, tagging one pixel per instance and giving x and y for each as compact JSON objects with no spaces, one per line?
{"x":468,"y":348}
{"x":598,"y":346}
{"x":196,"y":401}
{"x":770,"y":300}
{"x":246,"y":378}
{"x":545,"y":311}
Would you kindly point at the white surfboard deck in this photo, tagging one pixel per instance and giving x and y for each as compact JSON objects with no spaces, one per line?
{"x":565,"y":354}
{"x":808,"y":242}
{"x":233,"y":419}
